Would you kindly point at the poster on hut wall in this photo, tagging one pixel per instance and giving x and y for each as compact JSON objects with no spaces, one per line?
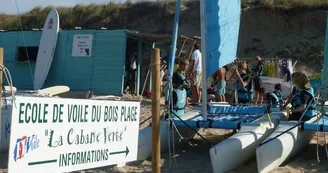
{"x":82,"y":46}
{"x":64,"y":135}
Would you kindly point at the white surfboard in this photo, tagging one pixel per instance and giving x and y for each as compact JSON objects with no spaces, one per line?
{"x":47,"y":48}
{"x":55,"y":90}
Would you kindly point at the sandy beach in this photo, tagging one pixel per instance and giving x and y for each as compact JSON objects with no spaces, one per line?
{"x":193,"y":156}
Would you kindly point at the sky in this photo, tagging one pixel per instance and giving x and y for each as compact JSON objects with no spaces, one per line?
{"x":9,"y":6}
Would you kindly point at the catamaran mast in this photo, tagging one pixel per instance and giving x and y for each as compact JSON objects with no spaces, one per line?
{"x":203,"y":51}
{"x":325,"y":67}
{"x":173,"y":48}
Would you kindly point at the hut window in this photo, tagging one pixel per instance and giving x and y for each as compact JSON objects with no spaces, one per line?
{"x":22,"y":53}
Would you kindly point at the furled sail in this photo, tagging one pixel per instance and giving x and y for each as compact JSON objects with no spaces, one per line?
{"x":325,"y":67}
{"x":222,"y":21}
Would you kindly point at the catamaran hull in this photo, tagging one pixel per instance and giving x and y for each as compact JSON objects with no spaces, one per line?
{"x":272,"y":154}
{"x":241,"y":147}
{"x":169,"y":136}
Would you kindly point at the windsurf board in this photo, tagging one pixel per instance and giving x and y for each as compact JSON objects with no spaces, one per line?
{"x":47,"y":49}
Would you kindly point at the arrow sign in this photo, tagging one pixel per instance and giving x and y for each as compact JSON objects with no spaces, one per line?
{"x":126,"y":151}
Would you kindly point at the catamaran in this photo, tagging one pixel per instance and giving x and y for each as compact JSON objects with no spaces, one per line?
{"x":220,"y":22}
{"x":291,"y":136}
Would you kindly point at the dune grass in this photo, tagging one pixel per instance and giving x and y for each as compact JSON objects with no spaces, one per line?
{"x":88,"y":16}
{"x":287,"y":4}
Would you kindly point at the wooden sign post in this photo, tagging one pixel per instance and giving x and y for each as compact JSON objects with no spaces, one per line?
{"x":155,"y":107}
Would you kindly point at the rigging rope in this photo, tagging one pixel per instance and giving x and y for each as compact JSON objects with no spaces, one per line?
{"x":10,"y":83}
{"x":23,"y":37}
{"x":298,"y":124}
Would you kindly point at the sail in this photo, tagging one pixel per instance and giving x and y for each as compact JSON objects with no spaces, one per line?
{"x":222,"y":21}
{"x":325,"y":65}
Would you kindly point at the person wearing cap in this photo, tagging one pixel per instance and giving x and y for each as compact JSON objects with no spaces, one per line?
{"x":257,"y":73}
{"x":275,"y":98}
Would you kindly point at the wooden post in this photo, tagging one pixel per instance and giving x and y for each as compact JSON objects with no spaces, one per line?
{"x":184,"y":42}
{"x":191,"y":50}
{"x":155,"y":110}
{"x":1,"y":63}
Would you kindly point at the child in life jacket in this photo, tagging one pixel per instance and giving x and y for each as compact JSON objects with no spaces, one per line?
{"x":302,"y":99}
{"x":275,"y":98}
{"x":179,"y":94}
{"x":243,"y":84}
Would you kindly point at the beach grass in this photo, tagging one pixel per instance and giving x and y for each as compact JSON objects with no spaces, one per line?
{"x":88,"y":16}
{"x":314,"y":76}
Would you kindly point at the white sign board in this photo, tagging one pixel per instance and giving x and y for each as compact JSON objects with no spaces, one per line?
{"x":82,"y":45}
{"x":63,"y":135}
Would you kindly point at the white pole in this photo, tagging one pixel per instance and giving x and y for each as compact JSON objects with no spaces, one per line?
{"x":203,"y":51}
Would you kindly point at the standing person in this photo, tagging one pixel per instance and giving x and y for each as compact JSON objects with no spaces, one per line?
{"x":289,"y":70}
{"x":244,"y":83}
{"x":257,"y":72}
{"x":220,"y":76}
{"x":131,"y":64}
{"x":196,"y":74}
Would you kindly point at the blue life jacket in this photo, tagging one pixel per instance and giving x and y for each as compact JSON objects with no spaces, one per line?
{"x":179,"y":102}
{"x":277,"y":100}
{"x":311,"y":90}
{"x":310,"y":109}
{"x":245,"y":93}
{"x":296,"y":100}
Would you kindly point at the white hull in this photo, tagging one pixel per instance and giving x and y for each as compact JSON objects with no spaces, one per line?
{"x":241,"y":147}
{"x":145,"y":136}
{"x":275,"y":152}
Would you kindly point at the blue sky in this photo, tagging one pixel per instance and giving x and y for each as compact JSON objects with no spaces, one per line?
{"x":9,"y":6}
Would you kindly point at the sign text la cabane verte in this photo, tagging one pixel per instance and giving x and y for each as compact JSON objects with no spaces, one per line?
{"x":62,"y":135}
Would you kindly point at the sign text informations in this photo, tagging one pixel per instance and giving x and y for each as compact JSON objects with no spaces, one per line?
{"x":63,"y":135}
